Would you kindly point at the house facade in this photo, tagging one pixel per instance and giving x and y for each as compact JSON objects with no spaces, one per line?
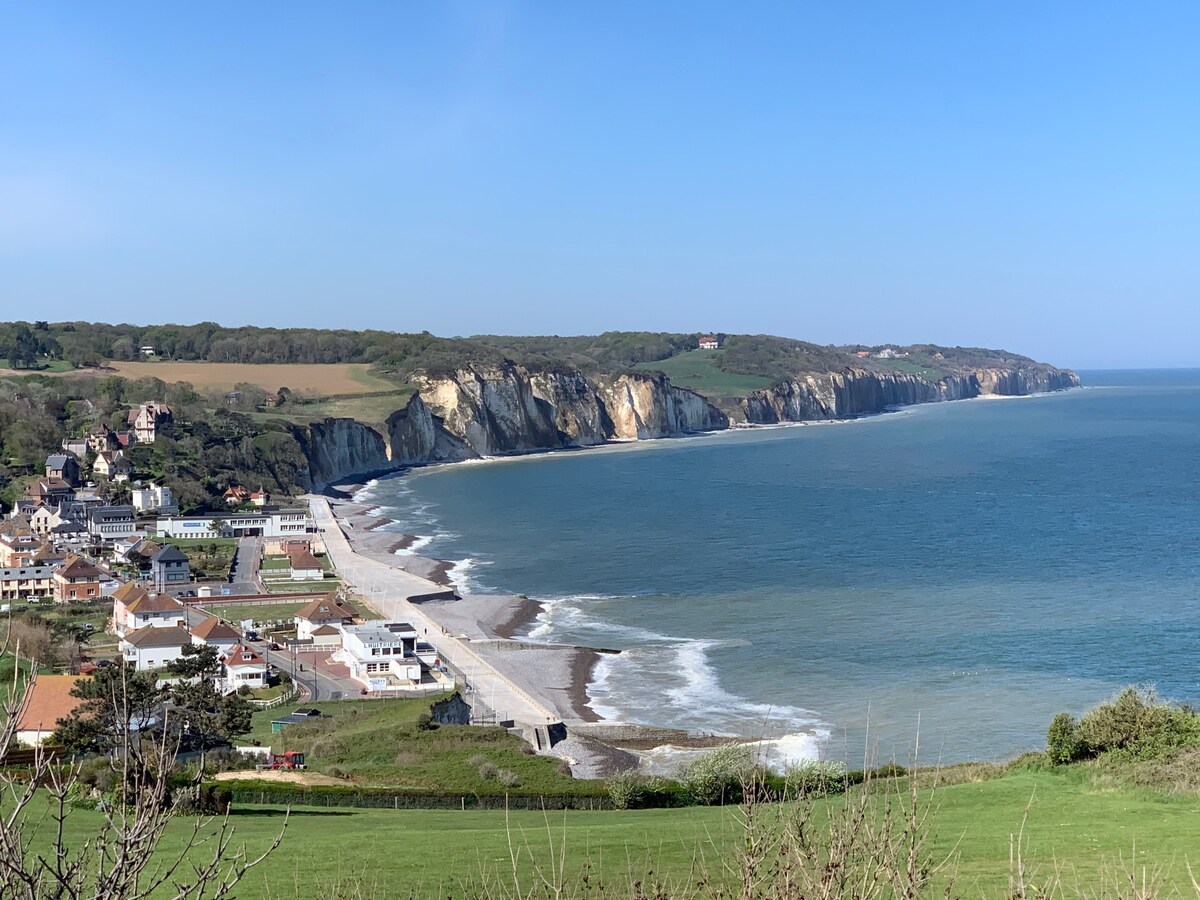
{"x":305,"y":567}
{"x":154,"y":647}
{"x":169,"y":568}
{"x":63,"y":466}
{"x":47,"y":699}
{"x":154,"y":498}
{"x":111,"y":523}
{"x":26,"y":582}
{"x":324,"y":611}
{"x":212,"y":632}
{"x":381,"y":656}
{"x":244,"y":667}
{"x":709,"y":342}
{"x":147,"y":419}
{"x":139,"y":609}
{"x":76,"y":579}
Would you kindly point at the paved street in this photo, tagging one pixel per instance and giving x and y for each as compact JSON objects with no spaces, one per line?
{"x":388,"y":590}
{"x":244,"y":573}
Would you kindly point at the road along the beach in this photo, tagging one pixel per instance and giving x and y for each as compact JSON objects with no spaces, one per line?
{"x":388,"y":589}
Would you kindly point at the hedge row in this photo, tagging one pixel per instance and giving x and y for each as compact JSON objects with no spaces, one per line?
{"x":257,"y":792}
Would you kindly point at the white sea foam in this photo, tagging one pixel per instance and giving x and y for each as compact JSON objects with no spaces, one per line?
{"x":414,"y":549}
{"x":366,"y":493}
{"x":461,"y":574}
{"x":661,"y":679}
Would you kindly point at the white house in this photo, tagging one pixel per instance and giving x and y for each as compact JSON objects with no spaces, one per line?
{"x":212,"y":632}
{"x":154,"y":647}
{"x":381,"y":656}
{"x":305,"y":567}
{"x":153,"y":497}
{"x":709,"y":342}
{"x":135,"y":608}
{"x":243,"y":668}
{"x":324,"y":611}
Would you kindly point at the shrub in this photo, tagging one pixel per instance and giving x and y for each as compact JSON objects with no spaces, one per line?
{"x":1062,"y":740}
{"x":488,"y":770}
{"x":633,"y":790}
{"x":1138,"y":722}
{"x":425,"y":723}
{"x":477,"y":760}
{"x":508,"y":778}
{"x":817,"y":776}
{"x":718,"y":776}
{"x":891,"y":770}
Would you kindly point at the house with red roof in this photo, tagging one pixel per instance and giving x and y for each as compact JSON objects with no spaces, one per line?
{"x":47,"y":699}
{"x":244,"y":667}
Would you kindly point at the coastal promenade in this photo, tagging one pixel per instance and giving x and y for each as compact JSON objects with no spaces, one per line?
{"x":388,"y":588}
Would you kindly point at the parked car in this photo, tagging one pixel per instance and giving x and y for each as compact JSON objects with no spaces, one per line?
{"x":275,"y":646}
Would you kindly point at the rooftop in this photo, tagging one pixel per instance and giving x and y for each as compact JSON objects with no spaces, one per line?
{"x":154,"y":603}
{"x":47,"y":700}
{"x":328,"y":609}
{"x":150,"y":636}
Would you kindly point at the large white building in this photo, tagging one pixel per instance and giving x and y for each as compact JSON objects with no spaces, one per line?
{"x":155,"y":497}
{"x":381,"y":656}
{"x":267,"y":523}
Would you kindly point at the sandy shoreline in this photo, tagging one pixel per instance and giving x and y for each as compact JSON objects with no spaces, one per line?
{"x":558,"y":675}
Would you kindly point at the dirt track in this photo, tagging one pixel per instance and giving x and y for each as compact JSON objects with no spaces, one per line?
{"x":308,"y":778}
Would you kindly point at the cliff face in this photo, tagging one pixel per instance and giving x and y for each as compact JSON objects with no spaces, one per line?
{"x":647,"y":405}
{"x":508,"y":409}
{"x":857,"y":392}
{"x":496,"y":409}
{"x":418,"y":436}
{"x":337,"y":448}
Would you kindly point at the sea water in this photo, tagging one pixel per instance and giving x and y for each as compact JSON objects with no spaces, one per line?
{"x":957,"y":572}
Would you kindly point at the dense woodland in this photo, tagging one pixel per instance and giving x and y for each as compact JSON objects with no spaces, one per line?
{"x":31,"y":345}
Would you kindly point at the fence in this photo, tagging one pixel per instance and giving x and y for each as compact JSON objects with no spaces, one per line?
{"x":277,"y":701}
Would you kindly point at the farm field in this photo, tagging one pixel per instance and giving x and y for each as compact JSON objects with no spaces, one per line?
{"x":320,"y":379}
{"x":1080,"y":828}
{"x":697,"y":371}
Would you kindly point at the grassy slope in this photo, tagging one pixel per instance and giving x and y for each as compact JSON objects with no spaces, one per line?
{"x":697,"y":370}
{"x":430,"y":852}
{"x":377,"y":742}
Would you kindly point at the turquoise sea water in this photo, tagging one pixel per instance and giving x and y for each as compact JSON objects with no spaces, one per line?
{"x":968,"y":569}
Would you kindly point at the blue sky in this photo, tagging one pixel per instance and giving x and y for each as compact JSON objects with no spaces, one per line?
{"x":1020,"y":175}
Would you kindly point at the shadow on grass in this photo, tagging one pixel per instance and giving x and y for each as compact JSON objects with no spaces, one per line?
{"x":236,"y":813}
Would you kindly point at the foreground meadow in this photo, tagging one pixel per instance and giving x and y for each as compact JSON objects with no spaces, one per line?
{"x":1077,"y":833}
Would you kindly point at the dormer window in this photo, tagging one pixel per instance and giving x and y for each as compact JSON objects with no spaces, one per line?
{"x":246,"y":657}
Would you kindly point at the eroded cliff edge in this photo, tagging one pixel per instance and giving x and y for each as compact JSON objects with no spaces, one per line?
{"x":489,"y":410}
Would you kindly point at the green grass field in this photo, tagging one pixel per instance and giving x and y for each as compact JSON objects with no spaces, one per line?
{"x":908,"y":367}
{"x":369,"y":408}
{"x":433,"y":853}
{"x":279,"y":586}
{"x":44,"y":366}
{"x":259,"y":612}
{"x":697,"y":370}
{"x":377,"y":743}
